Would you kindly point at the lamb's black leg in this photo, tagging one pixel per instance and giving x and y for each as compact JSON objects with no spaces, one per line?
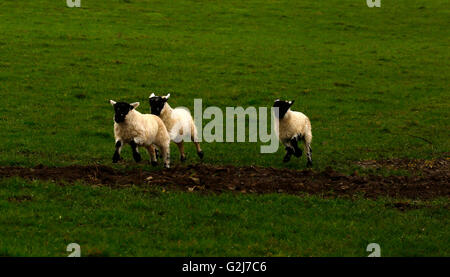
{"x":289,"y":152}
{"x":136,"y":155}
{"x":116,"y":156}
{"x":297,"y":152}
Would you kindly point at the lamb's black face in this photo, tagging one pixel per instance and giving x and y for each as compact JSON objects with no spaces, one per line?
{"x":157,"y":104}
{"x":121,"y":110}
{"x":283,"y":107}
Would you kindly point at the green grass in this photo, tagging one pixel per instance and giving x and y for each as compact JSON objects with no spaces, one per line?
{"x":60,"y":66}
{"x":41,"y":219}
{"x":369,"y":79}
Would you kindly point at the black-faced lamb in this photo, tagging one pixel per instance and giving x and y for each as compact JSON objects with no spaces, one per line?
{"x":291,"y":127}
{"x":136,"y":129}
{"x":178,"y":121}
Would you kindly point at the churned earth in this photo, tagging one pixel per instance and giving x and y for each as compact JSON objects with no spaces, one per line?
{"x":428,"y":179}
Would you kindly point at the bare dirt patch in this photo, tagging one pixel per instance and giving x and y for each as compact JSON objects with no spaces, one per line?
{"x":414,"y":166}
{"x":432,"y":183}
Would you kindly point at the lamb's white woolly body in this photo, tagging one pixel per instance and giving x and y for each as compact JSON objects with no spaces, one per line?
{"x":294,"y":127}
{"x":179,"y":123}
{"x":144,"y":129}
{"x":293,"y":124}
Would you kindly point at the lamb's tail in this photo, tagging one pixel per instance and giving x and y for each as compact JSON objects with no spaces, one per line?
{"x":194,"y":133}
{"x":308,"y":140}
{"x":308,"y":134}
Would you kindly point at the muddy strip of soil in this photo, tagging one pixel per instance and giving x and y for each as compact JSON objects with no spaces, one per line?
{"x":433,"y":182}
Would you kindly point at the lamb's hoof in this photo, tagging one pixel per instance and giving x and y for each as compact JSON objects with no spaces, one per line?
{"x":309,"y":164}
{"x":183,"y":158}
{"x":166,"y":166}
{"x":298,"y":154}
{"x":137,"y":157}
{"x":154,"y":163}
{"x":116,"y":158}
{"x":200,"y":154}
{"x":286,"y":159}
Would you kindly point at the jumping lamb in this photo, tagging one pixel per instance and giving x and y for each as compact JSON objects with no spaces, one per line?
{"x":139,"y":130}
{"x":178,"y":121}
{"x":291,"y":127}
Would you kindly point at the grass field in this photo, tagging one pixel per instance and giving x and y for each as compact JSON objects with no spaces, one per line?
{"x":374,"y":83}
{"x":137,"y":222}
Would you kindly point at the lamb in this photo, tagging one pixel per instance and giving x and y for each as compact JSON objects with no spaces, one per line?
{"x":136,"y":129}
{"x":178,"y":121}
{"x":291,"y":127}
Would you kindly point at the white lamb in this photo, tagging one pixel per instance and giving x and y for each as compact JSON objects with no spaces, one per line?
{"x":146,"y":130}
{"x":178,"y":121}
{"x":292,"y":127}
